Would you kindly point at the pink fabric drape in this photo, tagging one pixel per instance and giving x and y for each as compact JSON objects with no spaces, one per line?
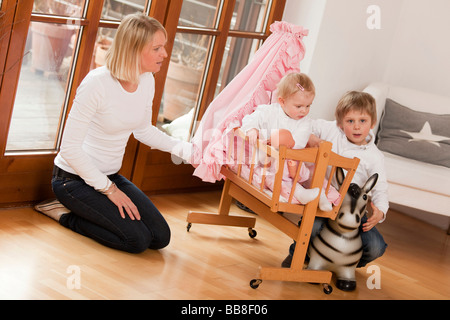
{"x":280,"y":54}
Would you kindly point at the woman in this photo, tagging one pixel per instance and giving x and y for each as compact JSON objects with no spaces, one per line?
{"x":111,"y":103}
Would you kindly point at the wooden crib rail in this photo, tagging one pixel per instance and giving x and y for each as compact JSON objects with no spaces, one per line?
{"x":243,"y":155}
{"x":319,"y":157}
{"x":326,"y":161}
{"x":243,"y":184}
{"x":349,"y":166}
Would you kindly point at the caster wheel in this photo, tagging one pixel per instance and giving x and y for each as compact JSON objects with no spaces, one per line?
{"x":254,"y":284}
{"x":252,"y":233}
{"x":327,"y":289}
{"x":346,"y":285}
{"x":188,"y":227}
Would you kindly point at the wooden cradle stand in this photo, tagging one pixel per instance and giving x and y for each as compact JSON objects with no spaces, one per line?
{"x":271,"y":208}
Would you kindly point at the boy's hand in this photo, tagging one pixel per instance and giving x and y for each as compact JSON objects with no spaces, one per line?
{"x":313,"y":141}
{"x":377,"y":215}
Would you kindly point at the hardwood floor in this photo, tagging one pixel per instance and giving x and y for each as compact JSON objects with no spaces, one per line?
{"x":39,"y":259}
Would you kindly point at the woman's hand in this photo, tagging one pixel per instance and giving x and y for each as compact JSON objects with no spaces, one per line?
{"x":122,"y":202}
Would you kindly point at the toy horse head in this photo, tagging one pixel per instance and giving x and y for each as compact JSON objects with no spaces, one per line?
{"x":354,"y":204}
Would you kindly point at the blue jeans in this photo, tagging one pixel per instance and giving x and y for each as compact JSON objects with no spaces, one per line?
{"x":372,"y":241}
{"x":95,"y":216}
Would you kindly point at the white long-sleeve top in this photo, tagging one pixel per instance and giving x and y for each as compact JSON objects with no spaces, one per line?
{"x":270,"y":117}
{"x":101,"y":120}
{"x":371,"y":159}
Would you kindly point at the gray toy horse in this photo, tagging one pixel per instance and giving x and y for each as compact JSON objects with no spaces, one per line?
{"x":338,"y":246}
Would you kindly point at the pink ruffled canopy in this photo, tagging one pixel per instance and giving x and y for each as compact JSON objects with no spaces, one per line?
{"x":280,"y":54}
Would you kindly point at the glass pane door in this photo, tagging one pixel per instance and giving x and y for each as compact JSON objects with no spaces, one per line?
{"x":250,"y":16}
{"x":115,"y":10}
{"x":41,"y":91}
{"x":48,"y":62}
{"x":45,"y":77}
{"x":188,"y":62}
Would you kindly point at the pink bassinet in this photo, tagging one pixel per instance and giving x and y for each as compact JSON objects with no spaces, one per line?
{"x":224,"y":152}
{"x":280,"y":54}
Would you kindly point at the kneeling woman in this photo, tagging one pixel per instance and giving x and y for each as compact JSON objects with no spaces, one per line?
{"x":112,"y":103}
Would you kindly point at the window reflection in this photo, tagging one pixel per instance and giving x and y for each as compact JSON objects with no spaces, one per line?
{"x":199,"y":13}
{"x":183,"y":82}
{"x":49,"y":46}
{"x":189,"y":56}
{"x":69,"y":8}
{"x":44,"y":79}
{"x":117,"y":9}
{"x":104,"y":40}
{"x":187,"y":64}
{"x":41,"y":91}
{"x":250,"y":15}
{"x":238,"y":53}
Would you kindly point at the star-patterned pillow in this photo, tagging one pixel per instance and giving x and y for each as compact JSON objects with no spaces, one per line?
{"x":416,"y":135}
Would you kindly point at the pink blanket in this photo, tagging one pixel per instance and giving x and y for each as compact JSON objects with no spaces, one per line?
{"x":280,"y":54}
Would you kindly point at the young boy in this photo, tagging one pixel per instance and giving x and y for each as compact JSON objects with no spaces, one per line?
{"x":351,"y":136}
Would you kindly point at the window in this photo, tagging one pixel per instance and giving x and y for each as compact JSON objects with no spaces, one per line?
{"x":46,"y":75}
{"x":46,"y":68}
{"x":214,"y":40}
{"x":35,"y":98}
{"x":112,"y":13}
{"x":192,"y":61}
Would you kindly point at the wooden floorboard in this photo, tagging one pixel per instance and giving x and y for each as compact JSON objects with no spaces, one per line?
{"x":39,"y":259}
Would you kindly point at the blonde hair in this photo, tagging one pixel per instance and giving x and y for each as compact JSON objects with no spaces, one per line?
{"x":356,"y":101}
{"x":123,"y":58}
{"x":294,"y":82}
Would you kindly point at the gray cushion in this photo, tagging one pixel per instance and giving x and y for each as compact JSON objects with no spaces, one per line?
{"x":416,"y":135}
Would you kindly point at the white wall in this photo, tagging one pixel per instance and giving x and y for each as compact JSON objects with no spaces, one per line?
{"x":308,"y":14}
{"x":420,"y":55}
{"x":411,"y":48}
